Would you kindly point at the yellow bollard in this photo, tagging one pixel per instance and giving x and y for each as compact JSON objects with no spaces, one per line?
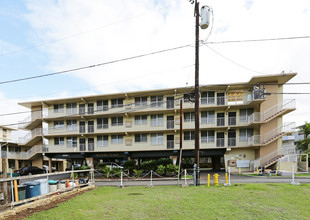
{"x":277,"y":171}
{"x":226,"y":178}
{"x":257,"y":170}
{"x":16,"y":191}
{"x":208,"y":180}
{"x":216,"y":179}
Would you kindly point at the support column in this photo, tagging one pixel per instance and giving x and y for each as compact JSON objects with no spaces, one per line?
{"x":50,"y":165}
{"x":16,"y":165}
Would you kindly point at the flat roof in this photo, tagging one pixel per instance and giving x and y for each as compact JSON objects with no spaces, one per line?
{"x":255,"y":80}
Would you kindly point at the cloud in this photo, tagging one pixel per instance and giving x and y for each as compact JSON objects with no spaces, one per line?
{"x":100,"y":31}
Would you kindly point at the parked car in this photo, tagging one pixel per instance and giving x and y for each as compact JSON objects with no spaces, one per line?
{"x":74,"y":167}
{"x":47,"y":168}
{"x":30,"y":170}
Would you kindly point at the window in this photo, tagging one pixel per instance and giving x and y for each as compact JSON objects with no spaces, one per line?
{"x":245,"y":113}
{"x":157,"y":120}
{"x":71,"y":125}
{"x":141,"y":120}
{"x":141,"y":101}
{"x":189,"y":116}
{"x":245,"y":134}
{"x":170,"y":102}
{"x":117,"y":103}
{"x":117,"y":121}
{"x":102,"y":123}
{"x":117,"y":139}
{"x":102,"y":105}
{"x":207,"y":97}
{"x":90,"y":108}
{"x":157,"y":139}
{"x":59,"y":141}
{"x":18,"y":149}
{"x":139,"y":138}
{"x":208,"y":117}
{"x":189,"y":97}
{"x":58,"y":108}
{"x":235,"y":96}
{"x":189,"y":135}
{"x":102,"y":140}
{"x":157,"y":101}
{"x":207,"y":136}
{"x":71,"y":108}
{"x":71,"y":141}
{"x":59,"y":124}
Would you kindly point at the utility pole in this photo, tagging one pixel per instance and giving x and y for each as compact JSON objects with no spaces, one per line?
{"x":197,"y":156}
{"x":181,"y":138}
{"x":205,"y":13}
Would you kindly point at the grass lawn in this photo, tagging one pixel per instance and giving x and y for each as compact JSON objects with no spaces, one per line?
{"x":240,"y":201}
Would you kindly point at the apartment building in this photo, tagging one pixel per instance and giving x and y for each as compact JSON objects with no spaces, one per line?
{"x":240,"y":124}
{"x":10,"y":150}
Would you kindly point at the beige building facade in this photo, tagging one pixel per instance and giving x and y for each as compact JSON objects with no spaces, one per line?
{"x":240,"y":124}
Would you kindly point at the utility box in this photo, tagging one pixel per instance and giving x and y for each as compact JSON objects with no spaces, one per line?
{"x":205,"y":17}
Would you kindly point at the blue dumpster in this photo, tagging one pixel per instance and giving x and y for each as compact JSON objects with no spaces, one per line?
{"x":32,"y":189}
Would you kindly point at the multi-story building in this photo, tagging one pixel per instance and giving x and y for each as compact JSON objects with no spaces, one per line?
{"x":240,"y":124}
{"x":11,"y":152}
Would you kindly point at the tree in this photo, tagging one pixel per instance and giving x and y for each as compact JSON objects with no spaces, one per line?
{"x":304,"y":144}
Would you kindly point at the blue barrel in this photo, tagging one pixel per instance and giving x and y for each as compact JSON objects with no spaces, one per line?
{"x":32,"y":189}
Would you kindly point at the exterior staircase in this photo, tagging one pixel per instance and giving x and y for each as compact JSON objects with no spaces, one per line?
{"x":268,"y":159}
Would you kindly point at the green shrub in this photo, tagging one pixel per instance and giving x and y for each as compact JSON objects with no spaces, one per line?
{"x":82,"y":168}
{"x":164,"y":161}
{"x":149,"y":165}
{"x":171,"y":169}
{"x":161,"y":169}
{"x":130,"y":165}
{"x":107,"y":170}
{"x":138,"y":172}
{"x":187,"y":163}
{"x":101,"y":165}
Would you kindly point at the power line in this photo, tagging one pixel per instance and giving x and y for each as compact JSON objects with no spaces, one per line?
{"x":244,"y":67}
{"x":255,"y":40}
{"x":95,"y":65}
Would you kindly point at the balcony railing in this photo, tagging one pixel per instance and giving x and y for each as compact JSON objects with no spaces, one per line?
{"x":208,"y":101}
{"x":287,"y":127}
{"x":24,"y":155}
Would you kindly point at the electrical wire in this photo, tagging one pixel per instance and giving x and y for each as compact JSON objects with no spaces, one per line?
{"x":230,"y":60}
{"x":95,"y":65}
{"x":256,"y":40}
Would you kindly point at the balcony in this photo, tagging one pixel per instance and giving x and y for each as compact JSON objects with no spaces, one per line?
{"x":37,"y":149}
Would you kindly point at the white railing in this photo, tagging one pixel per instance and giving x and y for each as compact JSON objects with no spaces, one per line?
{"x":32,"y":117}
{"x":287,"y":127}
{"x":254,"y":117}
{"x":269,"y":113}
{"x":33,"y":133}
{"x":254,"y":140}
{"x":25,"y":155}
{"x":261,"y":160}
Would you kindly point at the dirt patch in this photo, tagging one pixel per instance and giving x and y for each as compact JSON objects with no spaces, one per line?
{"x":44,"y":205}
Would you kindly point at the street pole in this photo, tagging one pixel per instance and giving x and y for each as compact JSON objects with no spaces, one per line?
{"x":197,"y":156}
{"x":181,"y":138}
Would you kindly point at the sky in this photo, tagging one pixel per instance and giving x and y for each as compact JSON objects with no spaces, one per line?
{"x":40,"y":37}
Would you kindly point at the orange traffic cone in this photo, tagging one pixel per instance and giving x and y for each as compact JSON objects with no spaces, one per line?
{"x":67,"y":185}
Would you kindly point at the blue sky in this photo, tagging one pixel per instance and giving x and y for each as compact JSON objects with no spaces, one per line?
{"x":90,"y":32}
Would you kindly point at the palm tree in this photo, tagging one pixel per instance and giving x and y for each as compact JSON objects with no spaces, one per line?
{"x":304,"y":144}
